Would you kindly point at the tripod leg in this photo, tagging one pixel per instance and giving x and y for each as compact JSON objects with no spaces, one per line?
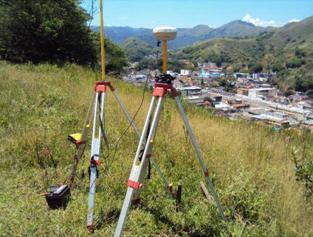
{"x":200,"y":158}
{"x":95,"y":152}
{"x":132,"y":123}
{"x":126,"y":113}
{"x":79,"y":153}
{"x":139,"y":167}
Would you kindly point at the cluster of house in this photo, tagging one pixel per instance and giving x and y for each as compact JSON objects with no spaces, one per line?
{"x":205,"y":70}
{"x":235,"y":106}
{"x":252,"y":96}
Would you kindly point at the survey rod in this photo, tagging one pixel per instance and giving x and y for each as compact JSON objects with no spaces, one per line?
{"x":102,"y":42}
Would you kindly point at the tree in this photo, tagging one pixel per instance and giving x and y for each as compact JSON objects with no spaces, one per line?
{"x":53,"y":31}
{"x":304,"y":83}
{"x":3,"y":31}
{"x":300,"y":53}
{"x":289,"y":92}
{"x":136,"y":49}
{"x":115,"y":58}
{"x":277,"y":67}
{"x":149,"y":63}
{"x":255,"y":68}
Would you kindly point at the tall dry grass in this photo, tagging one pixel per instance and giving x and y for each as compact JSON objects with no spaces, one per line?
{"x":251,"y":166}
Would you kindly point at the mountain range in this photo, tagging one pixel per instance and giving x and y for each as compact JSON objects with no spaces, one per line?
{"x":287,"y":50}
{"x":238,"y":45}
{"x":185,"y":36}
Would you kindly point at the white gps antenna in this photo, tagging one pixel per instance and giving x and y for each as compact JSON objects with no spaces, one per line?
{"x":164,"y":34}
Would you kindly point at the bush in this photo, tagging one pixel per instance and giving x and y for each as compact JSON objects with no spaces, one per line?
{"x":304,"y":83}
{"x":300,"y":52}
{"x":295,"y":63}
{"x":304,"y":166}
{"x":289,"y":92}
{"x":277,"y":67}
{"x":255,"y":68}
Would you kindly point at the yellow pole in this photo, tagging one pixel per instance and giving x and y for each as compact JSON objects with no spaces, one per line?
{"x":102,"y":42}
{"x":164,"y":44}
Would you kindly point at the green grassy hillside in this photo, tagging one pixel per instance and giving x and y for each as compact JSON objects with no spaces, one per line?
{"x":221,"y":50}
{"x":287,"y":50}
{"x":252,"y":167}
{"x":136,"y":49}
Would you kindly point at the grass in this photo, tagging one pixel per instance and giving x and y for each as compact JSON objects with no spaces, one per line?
{"x":252,"y":167}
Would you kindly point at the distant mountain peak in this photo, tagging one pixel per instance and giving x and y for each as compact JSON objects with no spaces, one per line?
{"x":202,"y":26}
{"x":240,"y":22}
{"x":186,"y":36}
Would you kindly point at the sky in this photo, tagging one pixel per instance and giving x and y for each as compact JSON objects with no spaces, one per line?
{"x":189,"y":13}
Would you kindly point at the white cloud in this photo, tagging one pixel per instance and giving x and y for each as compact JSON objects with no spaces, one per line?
{"x":293,"y":20}
{"x":259,"y":22}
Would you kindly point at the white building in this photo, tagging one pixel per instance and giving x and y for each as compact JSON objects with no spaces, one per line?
{"x":185,"y":72}
{"x":262,"y":92}
{"x":190,"y":91}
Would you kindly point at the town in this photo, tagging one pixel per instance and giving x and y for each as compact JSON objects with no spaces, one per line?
{"x":237,"y":95}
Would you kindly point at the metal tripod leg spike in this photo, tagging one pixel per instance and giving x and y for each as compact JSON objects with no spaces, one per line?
{"x":135,"y":181}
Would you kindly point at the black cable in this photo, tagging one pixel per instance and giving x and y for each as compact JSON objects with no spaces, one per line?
{"x":131,"y":123}
{"x":117,"y":143}
{"x":101,"y":124}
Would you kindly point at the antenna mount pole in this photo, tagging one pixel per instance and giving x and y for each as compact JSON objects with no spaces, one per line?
{"x":164,"y":44}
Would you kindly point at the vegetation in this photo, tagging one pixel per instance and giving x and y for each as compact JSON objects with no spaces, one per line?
{"x":140,"y":42}
{"x":252,"y":167}
{"x":237,"y":29}
{"x":232,"y":51}
{"x":115,"y":57}
{"x":52,"y":32}
{"x":46,"y":31}
{"x":137,"y":49}
{"x":287,"y":51}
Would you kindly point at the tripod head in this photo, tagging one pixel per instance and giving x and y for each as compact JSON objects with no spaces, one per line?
{"x":164,"y":78}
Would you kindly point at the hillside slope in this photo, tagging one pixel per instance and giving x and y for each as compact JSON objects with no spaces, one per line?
{"x":252,"y":167}
{"x":287,"y":50}
{"x":136,"y":49}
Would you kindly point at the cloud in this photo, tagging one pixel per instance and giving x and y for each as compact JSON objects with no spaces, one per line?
{"x":259,"y":22}
{"x":293,"y":21}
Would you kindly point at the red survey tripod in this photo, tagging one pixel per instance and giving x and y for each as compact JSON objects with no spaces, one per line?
{"x":58,"y":196}
{"x":101,"y":89}
{"x":163,"y":86}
